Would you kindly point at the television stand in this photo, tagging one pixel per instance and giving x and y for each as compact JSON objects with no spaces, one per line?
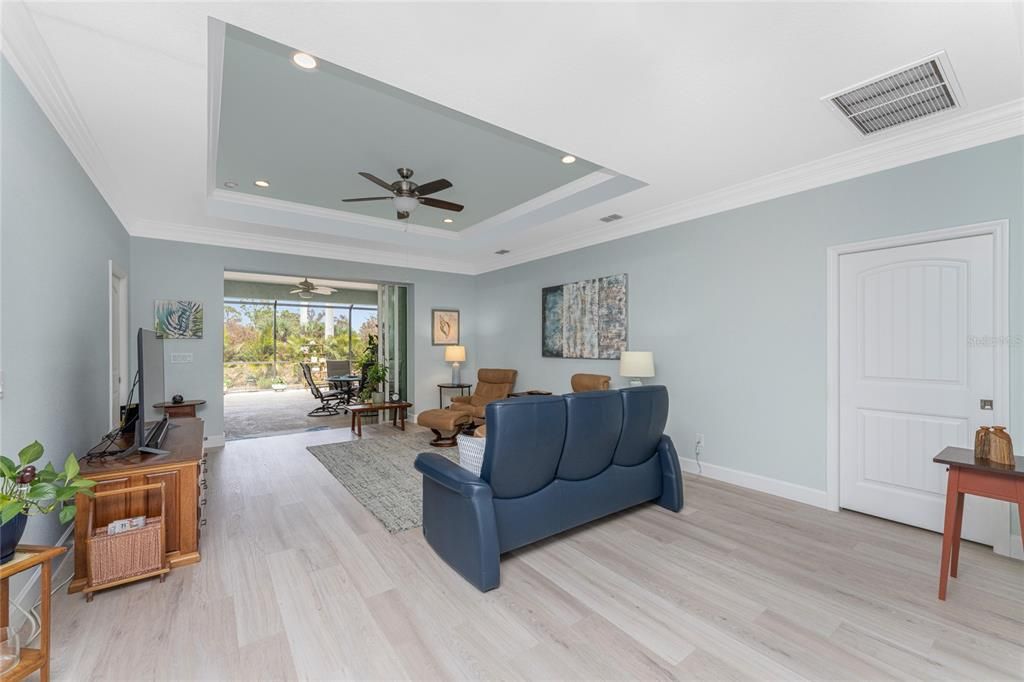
{"x":179,"y":470}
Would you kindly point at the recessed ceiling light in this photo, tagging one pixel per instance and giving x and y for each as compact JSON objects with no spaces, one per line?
{"x":306,"y":61}
{"x":231,"y":184}
{"x":568,"y":158}
{"x":447,"y":220}
{"x":262,"y":183}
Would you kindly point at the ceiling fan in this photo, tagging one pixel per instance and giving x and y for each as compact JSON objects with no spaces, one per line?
{"x":307,"y":289}
{"x":407,"y":195}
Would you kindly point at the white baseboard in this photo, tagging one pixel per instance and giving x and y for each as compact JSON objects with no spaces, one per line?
{"x":1014,"y":550}
{"x":214,"y":441}
{"x":26,"y":596}
{"x":772,"y":486}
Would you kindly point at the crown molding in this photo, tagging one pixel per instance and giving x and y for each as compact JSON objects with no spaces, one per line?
{"x":209,"y":236}
{"x":27,"y":53}
{"x":951,"y":135}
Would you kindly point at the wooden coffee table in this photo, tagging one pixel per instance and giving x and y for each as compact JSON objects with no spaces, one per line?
{"x":398,"y":411}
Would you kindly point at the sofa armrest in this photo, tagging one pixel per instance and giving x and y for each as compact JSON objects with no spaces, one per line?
{"x":447,"y":473}
{"x":459,"y":521}
{"x":671,"y":476}
{"x":461,"y":398}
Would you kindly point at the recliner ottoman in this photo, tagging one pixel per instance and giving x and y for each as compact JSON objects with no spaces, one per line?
{"x":441,"y":421}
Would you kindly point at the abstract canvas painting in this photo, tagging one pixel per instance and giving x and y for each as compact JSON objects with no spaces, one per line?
{"x":179,"y":320}
{"x":585,"y":319}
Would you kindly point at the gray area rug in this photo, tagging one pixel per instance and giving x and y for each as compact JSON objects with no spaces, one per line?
{"x":379,"y":472}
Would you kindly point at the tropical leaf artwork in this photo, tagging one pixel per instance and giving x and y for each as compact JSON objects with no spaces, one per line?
{"x":179,"y":319}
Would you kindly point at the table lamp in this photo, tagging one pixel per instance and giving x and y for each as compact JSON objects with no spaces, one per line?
{"x":634,"y":364}
{"x":455,"y":355}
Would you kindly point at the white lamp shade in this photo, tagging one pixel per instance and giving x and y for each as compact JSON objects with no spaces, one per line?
{"x":636,"y":363}
{"x":455,"y":354}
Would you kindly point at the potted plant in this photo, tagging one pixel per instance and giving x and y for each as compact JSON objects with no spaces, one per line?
{"x":25,"y":491}
{"x":376,"y":377}
{"x":279,"y":384}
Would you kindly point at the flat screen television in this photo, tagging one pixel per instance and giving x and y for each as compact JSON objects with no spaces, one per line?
{"x":151,"y":424}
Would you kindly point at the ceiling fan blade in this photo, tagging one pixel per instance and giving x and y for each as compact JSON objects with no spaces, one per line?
{"x":324,"y":291}
{"x":375,"y":180}
{"x":369,"y":198}
{"x":403,"y":215}
{"x":296,"y":291}
{"x":439,"y":203}
{"x":432,"y":186}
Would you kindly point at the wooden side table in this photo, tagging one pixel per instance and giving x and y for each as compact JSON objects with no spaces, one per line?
{"x":25,"y":558}
{"x":185,"y":408}
{"x":970,"y":476}
{"x":463,"y":389}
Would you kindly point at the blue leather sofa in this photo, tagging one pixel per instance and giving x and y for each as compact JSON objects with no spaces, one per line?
{"x":551,"y":463}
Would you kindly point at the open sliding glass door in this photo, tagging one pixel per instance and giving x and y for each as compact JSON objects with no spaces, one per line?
{"x":392,"y":310}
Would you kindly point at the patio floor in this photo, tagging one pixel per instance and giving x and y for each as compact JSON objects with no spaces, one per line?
{"x":262,"y":413}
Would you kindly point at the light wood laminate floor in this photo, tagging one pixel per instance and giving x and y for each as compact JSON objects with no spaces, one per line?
{"x":298,"y":581}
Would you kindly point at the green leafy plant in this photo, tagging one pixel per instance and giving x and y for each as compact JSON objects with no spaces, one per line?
{"x":26,"y":490}
{"x":376,"y":376}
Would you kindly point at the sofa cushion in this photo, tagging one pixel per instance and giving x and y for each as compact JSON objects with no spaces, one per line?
{"x":594,"y":421}
{"x":644,"y":414}
{"x":524,"y":443}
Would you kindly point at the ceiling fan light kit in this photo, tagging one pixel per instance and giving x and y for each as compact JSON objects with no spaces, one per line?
{"x":407,"y":195}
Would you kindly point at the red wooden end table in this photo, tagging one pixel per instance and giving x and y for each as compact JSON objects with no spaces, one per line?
{"x":970,"y":476}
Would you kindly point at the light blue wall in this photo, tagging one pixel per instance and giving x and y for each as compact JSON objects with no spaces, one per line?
{"x":175,"y":270}
{"x":733,"y":305}
{"x":57,"y":237}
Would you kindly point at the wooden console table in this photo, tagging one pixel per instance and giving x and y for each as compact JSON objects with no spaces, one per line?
{"x":179,"y":471}
{"x":27,"y":557}
{"x":398,"y":410}
{"x":970,"y":476}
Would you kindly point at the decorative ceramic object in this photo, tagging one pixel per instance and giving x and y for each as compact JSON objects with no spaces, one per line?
{"x":177,"y":399}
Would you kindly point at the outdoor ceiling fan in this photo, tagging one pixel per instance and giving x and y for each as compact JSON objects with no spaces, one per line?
{"x":307,"y":289}
{"x":407,"y":195}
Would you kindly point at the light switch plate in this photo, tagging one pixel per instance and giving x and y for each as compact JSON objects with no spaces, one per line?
{"x":180,"y":358}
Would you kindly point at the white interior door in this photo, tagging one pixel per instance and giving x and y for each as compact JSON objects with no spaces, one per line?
{"x":118,"y":345}
{"x":910,"y":377}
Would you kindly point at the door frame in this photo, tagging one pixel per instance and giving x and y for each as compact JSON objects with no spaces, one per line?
{"x":114,"y":272}
{"x":999,"y":229}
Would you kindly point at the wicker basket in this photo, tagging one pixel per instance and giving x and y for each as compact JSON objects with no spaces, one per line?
{"x":125,"y":555}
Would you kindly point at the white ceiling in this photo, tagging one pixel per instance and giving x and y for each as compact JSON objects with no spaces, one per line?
{"x":309,"y":133}
{"x":235,"y":276}
{"x":708,"y":106}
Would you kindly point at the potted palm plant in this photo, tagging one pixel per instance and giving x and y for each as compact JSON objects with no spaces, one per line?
{"x":25,"y":491}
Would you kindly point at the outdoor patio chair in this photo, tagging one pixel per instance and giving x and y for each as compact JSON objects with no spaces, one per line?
{"x":329,"y":401}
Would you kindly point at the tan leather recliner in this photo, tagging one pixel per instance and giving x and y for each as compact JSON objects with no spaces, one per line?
{"x":590,"y":382}
{"x":491,"y":385}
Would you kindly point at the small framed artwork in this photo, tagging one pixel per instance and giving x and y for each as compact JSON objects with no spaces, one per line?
{"x":444,"y":326}
{"x":178,"y":319}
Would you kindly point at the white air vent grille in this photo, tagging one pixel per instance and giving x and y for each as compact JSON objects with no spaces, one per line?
{"x":900,"y":97}
{"x":611,"y":218}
